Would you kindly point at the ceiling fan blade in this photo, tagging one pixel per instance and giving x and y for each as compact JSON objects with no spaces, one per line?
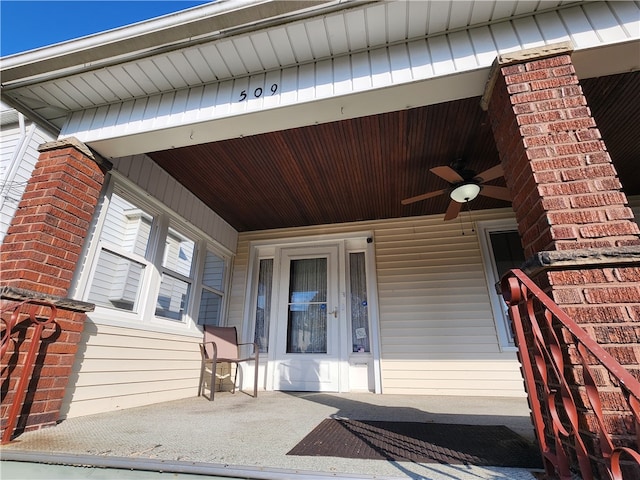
{"x":452,"y":210}
{"x":501,"y":193}
{"x":448,"y":173}
{"x":424,"y":196}
{"x":491,"y":173}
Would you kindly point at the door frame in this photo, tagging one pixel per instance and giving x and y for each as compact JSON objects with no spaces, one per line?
{"x":500,"y":316}
{"x":362,"y":241}
{"x":330,"y":360}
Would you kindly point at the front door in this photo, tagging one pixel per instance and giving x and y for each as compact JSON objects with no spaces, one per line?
{"x":307,"y":321}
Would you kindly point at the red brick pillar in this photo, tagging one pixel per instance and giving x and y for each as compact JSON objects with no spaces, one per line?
{"x":572,"y":216}
{"x":38,"y":259}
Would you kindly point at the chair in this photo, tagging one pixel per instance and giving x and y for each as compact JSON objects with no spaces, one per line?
{"x":221,"y":345}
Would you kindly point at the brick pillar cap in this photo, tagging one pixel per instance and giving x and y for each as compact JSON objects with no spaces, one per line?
{"x":582,"y":258}
{"x":78,"y":145}
{"x":521,"y":56}
{"x":20,"y":295}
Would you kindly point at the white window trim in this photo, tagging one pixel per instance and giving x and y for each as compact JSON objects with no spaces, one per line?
{"x":353,"y":242}
{"x":485,"y":228}
{"x":146,"y":319}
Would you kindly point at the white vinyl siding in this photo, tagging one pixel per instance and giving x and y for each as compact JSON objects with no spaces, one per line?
{"x":253,"y":81}
{"x":437,"y":330}
{"x":146,"y":174}
{"x":123,"y":368}
{"x":19,"y":141}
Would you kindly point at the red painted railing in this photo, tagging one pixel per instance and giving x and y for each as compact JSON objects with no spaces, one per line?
{"x":556,"y":403}
{"x":39,"y":321}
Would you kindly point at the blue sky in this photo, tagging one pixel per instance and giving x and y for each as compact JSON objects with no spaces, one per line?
{"x":27,"y":24}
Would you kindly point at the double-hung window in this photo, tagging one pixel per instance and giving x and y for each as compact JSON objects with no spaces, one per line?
{"x":149,"y":268}
{"x":177,"y":276}
{"x":213,"y":281}
{"x":122,"y":258}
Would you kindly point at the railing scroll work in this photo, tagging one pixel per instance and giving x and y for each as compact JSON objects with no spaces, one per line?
{"x":41,"y":315}
{"x":553,"y":351}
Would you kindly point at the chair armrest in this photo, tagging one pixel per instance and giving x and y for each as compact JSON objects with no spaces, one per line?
{"x":203,"y":351}
{"x":255,"y":346}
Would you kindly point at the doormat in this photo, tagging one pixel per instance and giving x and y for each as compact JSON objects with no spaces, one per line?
{"x":481,"y":445}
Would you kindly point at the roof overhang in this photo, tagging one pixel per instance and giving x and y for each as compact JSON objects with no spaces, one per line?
{"x":182,"y":29}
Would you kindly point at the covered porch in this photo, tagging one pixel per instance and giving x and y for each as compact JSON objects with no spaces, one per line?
{"x":183,"y":138}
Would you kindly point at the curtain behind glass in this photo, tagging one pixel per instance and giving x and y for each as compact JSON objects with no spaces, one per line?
{"x":307,"y":323}
{"x":263,"y":304}
{"x":359,"y":304}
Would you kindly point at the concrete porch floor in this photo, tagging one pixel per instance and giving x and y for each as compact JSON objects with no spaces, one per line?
{"x":239,"y":436}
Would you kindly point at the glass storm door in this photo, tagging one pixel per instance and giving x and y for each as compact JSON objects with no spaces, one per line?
{"x":307,"y":346}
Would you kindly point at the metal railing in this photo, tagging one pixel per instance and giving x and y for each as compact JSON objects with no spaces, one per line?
{"x":555,"y":402}
{"x":35,"y":317}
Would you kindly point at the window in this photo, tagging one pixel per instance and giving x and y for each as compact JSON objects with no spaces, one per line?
{"x":152,"y":269}
{"x":177,"y":264}
{"x":502,"y":251}
{"x":121,"y":265}
{"x":212,"y":290}
{"x":263,"y":304}
{"x":359,"y":305}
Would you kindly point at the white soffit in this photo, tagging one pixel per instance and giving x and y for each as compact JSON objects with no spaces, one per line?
{"x":364,"y":60}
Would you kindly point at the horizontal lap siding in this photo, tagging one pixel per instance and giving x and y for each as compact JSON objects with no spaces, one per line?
{"x":437,"y":328}
{"x":121,"y":368}
{"x":436,"y":324}
{"x":480,"y":378}
{"x":18,"y":157}
{"x":145,"y":173}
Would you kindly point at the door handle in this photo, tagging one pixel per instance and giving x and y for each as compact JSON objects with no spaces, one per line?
{"x":335,"y":312}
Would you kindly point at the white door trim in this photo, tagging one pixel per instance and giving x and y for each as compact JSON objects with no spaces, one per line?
{"x":352,"y":241}
{"x":497,"y":304}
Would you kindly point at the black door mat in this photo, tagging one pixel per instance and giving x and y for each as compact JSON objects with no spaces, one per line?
{"x":481,"y":445}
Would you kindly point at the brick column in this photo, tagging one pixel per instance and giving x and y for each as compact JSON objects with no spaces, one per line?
{"x":569,"y":205}
{"x":38,"y":259}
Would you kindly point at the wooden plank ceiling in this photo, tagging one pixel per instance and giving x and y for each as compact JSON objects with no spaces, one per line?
{"x":361,"y":169}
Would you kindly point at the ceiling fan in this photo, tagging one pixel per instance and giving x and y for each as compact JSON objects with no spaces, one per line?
{"x":464,"y":185}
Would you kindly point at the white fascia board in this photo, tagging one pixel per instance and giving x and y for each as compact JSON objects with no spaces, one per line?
{"x":371,"y":102}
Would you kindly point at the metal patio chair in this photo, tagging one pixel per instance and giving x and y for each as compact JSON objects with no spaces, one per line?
{"x":221,"y":345}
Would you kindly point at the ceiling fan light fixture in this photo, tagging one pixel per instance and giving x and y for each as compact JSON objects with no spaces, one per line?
{"x":465,"y":192}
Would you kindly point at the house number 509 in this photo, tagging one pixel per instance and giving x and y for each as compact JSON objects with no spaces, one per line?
{"x":257,"y":93}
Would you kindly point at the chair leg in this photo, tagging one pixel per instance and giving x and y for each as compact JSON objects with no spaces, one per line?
{"x":255,"y":380}
{"x":235,"y":377}
{"x":201,"y":382}
{"x":214,"y":366}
